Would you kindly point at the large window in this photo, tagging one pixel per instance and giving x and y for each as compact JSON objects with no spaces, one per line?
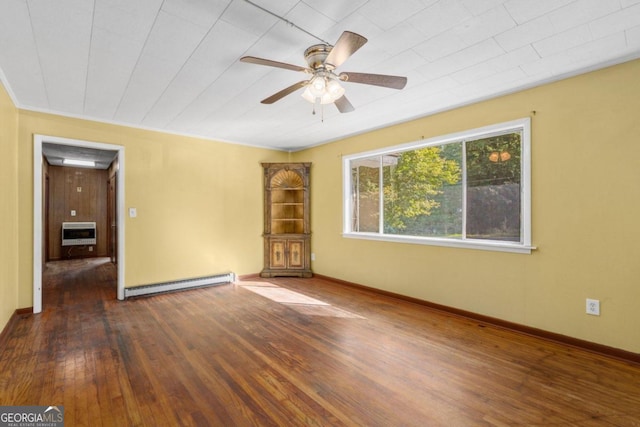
{"x":469,"y":189}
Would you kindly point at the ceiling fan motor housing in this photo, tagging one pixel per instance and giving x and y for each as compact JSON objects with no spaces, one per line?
{"x":316,"y":55}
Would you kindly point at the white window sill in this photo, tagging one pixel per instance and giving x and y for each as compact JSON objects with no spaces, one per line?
{"x":452,"y":243}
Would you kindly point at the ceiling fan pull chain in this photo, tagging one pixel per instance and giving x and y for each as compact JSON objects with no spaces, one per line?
{"x":318,"y":103}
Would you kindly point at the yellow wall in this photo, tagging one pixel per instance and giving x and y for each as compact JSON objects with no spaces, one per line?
{"x":199,"y":202}
{"x":585,"y":210}
{"x":8,"y":208}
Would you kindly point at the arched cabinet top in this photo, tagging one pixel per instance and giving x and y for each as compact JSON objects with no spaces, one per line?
{"x":287,"y":179}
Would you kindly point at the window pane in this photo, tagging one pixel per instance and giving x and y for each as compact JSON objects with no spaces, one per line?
{"x":423,"y":193}
{"x":493,"y":188}
{"x":365,"y":194}
{"x":468,"y":189}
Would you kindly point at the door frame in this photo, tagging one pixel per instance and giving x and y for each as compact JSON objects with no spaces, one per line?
{"x":38,"y":259}
{"x":112,"y":217}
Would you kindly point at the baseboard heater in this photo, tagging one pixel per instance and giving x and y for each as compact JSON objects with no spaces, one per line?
{"x":180,"y":285}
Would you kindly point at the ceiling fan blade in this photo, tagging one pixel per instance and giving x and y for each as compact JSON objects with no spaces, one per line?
{"x":270,"y":63}
{"x":347,"y":45}
{"x":284,"y":92}
{"x":343,"y":104}
{"x":394,"y":82}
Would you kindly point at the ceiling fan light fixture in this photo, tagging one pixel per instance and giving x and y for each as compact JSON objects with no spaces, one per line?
{"x":309,"y":96}
{"x":327,"y":89}
{"x":335,"y":89}
{"x":318,"y":86}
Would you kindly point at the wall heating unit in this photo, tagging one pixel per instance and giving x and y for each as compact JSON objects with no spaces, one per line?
{"x":78,"y":233}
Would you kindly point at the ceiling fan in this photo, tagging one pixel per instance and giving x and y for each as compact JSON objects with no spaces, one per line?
{"x":323,"y":87}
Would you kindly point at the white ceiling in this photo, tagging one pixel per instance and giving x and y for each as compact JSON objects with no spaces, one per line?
{"x":172,"y":65}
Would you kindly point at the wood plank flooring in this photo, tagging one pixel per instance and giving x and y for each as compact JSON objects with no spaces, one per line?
{"x":289,"y":352}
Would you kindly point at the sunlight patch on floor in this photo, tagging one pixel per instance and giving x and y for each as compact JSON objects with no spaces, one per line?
{"x":301,"y":303}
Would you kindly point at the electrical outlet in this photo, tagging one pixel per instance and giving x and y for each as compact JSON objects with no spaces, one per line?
{"x":593,"y":307}
{"x":313,"y":256}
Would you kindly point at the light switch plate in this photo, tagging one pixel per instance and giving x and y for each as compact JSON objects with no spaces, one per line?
{"x":133,"y":212}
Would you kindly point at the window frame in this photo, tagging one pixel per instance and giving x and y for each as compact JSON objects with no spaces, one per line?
{"x":524,"y":246}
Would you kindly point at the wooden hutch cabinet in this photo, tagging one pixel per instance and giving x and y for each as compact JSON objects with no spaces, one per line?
{"x":287,"y":233}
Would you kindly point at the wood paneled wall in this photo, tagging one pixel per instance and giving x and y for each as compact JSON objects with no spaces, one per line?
{"x":85,"y":192}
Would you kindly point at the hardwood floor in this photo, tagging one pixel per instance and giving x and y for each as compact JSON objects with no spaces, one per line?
{"x":293,"y":352}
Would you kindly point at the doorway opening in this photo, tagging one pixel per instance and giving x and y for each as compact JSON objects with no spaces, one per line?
{"x":113,"y":229}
